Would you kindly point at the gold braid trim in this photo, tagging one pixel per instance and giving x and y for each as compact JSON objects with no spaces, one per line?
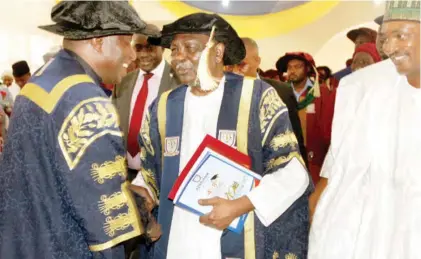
{"x":122,"y":222}
{"x":291,"y":256}
{"x":274,"y":162}
{"x":283,"y":140}
{"x":109,"y":169}
{"x":113,"y":202}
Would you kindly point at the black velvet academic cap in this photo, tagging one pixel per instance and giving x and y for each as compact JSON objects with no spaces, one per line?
{"x":80,"y":20}
{"x":202,"y":23}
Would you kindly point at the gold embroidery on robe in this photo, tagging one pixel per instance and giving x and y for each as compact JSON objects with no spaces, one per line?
{"x":269,"y":107}
{"x":274,"y":162}
{"x":143,"y":154}
{"x":283,"y":140}
{"x":111,"y":224}
{"x":291,"y":256}
{"x":162,"y":122}
{"x":275,"y":255}
{"x":144,"y":134}
{"x":48,"y":100}
{"x":88,"y":121}
{"x":149,"y":179}
{"x":109,"y":169}
{"x":120,"y":222}
{"x":242,"y":146}
{"x":112,"y":202}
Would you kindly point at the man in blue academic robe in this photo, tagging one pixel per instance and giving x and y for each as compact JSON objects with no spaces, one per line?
{"x":244,"y":113}
{"x":63,"y":192}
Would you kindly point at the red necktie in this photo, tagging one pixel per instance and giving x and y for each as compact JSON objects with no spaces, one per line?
{"x":137,"y":115}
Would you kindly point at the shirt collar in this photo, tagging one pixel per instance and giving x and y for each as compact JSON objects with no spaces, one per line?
{"x":309,"y":84}
{"x":220,"y":85}
{"x":158,"y":71}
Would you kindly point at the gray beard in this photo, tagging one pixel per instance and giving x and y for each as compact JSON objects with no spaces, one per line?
{"x":195,"y":83}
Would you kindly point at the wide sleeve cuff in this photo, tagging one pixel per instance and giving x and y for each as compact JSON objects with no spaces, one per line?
{"x":278,"y":191}
{"x":327,"y":165}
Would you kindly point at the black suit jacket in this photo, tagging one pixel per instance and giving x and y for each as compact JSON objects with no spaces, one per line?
{"x":287,"y":96}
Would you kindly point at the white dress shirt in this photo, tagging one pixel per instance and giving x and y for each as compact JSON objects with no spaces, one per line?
{"x":153,"y":89}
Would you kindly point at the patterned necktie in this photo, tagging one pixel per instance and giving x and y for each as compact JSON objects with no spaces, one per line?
{"x":137,"y":115}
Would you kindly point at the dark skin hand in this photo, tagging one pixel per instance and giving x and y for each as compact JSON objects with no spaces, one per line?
{"x":153,"y":229}
{"x":224,"y":211}
{"x":315,"y":196}
{"x":141,"y":191}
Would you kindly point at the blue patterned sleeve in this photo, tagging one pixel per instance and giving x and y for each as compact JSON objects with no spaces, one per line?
{"x":279,"y":142}
{"x":150,"y":150}
{"x":92,"y":155}
{"x":284,"y":178}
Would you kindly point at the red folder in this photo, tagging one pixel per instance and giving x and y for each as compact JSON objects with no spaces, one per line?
{"x":218,"y":147}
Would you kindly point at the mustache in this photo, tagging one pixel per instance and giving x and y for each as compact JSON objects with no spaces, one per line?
{"x":396,"y":54}
{"x":184,"y":65}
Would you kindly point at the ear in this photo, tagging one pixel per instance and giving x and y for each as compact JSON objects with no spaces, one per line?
{"x":258,"y":60}
{"x":219,"y":53}
{"x":161,"y":50}
{"x":244,"y":68}
{"x":97,"y":43}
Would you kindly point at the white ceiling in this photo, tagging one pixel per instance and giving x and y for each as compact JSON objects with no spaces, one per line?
{"x":21,"y":39}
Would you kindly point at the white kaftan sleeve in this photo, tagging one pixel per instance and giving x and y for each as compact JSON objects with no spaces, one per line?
{"x":326,"y":171}
{"x":278,"y":191}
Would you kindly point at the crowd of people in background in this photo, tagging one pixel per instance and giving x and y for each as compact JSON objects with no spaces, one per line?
{"x":367,"y":52}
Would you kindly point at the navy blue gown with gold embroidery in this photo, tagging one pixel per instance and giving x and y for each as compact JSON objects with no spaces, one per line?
{"x":62,"y":174}
{"x":253,"y":111}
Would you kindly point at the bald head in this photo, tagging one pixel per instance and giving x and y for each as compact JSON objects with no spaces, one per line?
{"x":7,"y":78}
{"x":251,"y":46}
{"x":148,"y":56}
{"x":108,"y":56}
{"x":251,"y":62}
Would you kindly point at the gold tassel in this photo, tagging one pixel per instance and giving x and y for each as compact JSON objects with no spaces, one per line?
{"x":204,"y":77}
{"x":316,"y":86}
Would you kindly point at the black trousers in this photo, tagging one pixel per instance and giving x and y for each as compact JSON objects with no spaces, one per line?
{"x":131,"y":174}
{"x":131,"y":246}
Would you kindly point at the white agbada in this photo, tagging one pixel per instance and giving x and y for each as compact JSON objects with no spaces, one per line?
{"x":371,"y":208}
{"x":188,"y":238}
